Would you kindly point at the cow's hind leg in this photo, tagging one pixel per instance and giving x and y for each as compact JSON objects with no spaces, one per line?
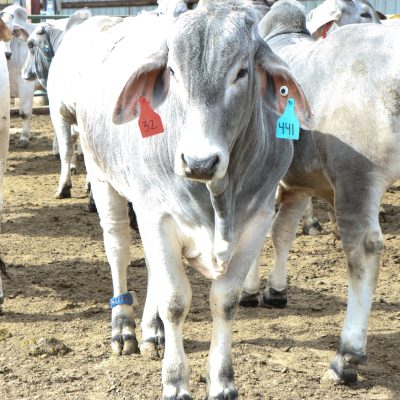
{"x":357,"y":214}
{"x":113,"y":212}
{"x":311,"y":226}
{"x":25,"y":91}
{"x":63,"y":131}
{"x":283,"y":233}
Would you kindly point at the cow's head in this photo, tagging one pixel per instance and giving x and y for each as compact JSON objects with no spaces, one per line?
{"x":40,"y":54}
{"x":219,"y":74}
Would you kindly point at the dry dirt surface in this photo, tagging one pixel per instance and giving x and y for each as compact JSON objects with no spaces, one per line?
{"x":60,"y":285}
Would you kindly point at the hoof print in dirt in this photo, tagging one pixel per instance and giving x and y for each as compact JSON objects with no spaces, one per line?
{"x":4,"y":333}
{"x":274,"y":298}
{"x":49,"y":347}
{"x":152,"y":348}
{"x":249,"y":300}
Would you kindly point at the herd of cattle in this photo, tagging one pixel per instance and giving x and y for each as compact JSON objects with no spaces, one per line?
{"x":204,"y":185}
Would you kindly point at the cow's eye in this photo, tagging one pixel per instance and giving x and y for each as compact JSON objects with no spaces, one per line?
{"x":46,"y":49}
{"x":284,"y":91}
{"x":366,"y":15}
{"x":241,"y":74}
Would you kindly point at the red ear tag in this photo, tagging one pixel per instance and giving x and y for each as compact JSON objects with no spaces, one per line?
{"x":149,"y":121}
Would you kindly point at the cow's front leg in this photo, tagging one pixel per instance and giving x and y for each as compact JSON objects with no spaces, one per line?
{"x":283,"y":234}
{"x":113,"y":212}
{"x":224,"y":299}
{"x":168,"y":298}
{"x":362,"y":241}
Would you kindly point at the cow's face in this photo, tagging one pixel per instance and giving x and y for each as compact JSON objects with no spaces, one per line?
{"x":217,"y":71}
{"x":39,"y":57}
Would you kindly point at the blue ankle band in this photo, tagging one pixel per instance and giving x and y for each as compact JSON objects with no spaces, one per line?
{"x":125,"y":298}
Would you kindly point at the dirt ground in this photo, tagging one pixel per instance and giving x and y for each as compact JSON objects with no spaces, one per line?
{"x":60,"y":286}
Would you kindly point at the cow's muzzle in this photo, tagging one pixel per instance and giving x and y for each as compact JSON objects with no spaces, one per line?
{"x":200,"y":169}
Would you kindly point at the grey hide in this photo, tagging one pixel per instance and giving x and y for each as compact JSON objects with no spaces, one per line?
{"x":205,"y":188}
{"x":352,"y":81}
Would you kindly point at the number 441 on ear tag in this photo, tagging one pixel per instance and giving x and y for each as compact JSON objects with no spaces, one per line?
{"x":288,"y":125}
{"x":149,"y":121}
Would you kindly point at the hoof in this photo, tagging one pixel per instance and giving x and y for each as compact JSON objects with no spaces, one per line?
{"x":23,"y":143}
{"x":57,"y":156}
{"x":274,"y":298}
{"x":184,"y":396}
{"x":91,"y":206}
{"x":312,"y":229}
{"x":152,"y":348}
{"x":65,"y":193}
{"x":343,"y":369}
{"x":227,"y":394}
{"x":73,"y":171}
{"x":123,"y":339}
{"x":248,"y":300}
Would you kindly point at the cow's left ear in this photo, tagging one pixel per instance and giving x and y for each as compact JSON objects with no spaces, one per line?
{"x":150,"y":80}
{"x":5,"y":33}
{"x":277,"y":84}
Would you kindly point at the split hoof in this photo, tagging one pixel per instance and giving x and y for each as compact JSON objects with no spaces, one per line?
{"x":227,"y":394}
{"x":123,"y":339}
{"x":312,"y":229}
{"x":65,"y":193}
{"x":343,"y":369}
{"x":274,"y":298}
{"x":152,"y":348}
{"x":249,"y":300}
{"x":23,"y":143}
{"x":183,"y":396}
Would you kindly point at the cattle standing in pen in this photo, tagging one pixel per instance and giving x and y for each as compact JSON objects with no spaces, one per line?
{"x":5,"y":35}
{"x":352,"y":80}
{"x":15,"y":18}
{"x":204,"y":188}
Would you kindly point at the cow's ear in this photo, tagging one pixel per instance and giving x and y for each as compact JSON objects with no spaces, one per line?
{"x":5,"y":33}
{"x":19,"y":31}
{"x":277,"y":84}
{"x":150,"y":80}
{"x":380,"y":15}
{"x":321,"y":18}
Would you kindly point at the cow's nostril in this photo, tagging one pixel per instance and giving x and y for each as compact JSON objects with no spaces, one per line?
{"x":8,"y":55}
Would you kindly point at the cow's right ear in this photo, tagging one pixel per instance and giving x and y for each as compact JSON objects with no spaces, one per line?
{"x":5,"y":33}
{"x":150,"y":80}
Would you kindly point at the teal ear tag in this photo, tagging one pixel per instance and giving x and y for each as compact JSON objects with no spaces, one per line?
{"x":288,"y":126}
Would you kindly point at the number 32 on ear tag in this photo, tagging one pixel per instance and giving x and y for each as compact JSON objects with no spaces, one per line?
{"x":288,"y":126}
{"x":149,"y":121}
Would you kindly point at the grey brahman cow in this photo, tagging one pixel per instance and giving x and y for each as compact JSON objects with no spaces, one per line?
{"x":352,"y":81}
{"x":204,"y":188}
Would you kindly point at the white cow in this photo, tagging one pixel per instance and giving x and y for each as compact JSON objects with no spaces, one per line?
{"x":15,"y":18}
{"x":5,"y":35}
{"x":205,"y":188}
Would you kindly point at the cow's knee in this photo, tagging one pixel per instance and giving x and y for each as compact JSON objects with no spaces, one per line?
{"x":373,"y":242}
